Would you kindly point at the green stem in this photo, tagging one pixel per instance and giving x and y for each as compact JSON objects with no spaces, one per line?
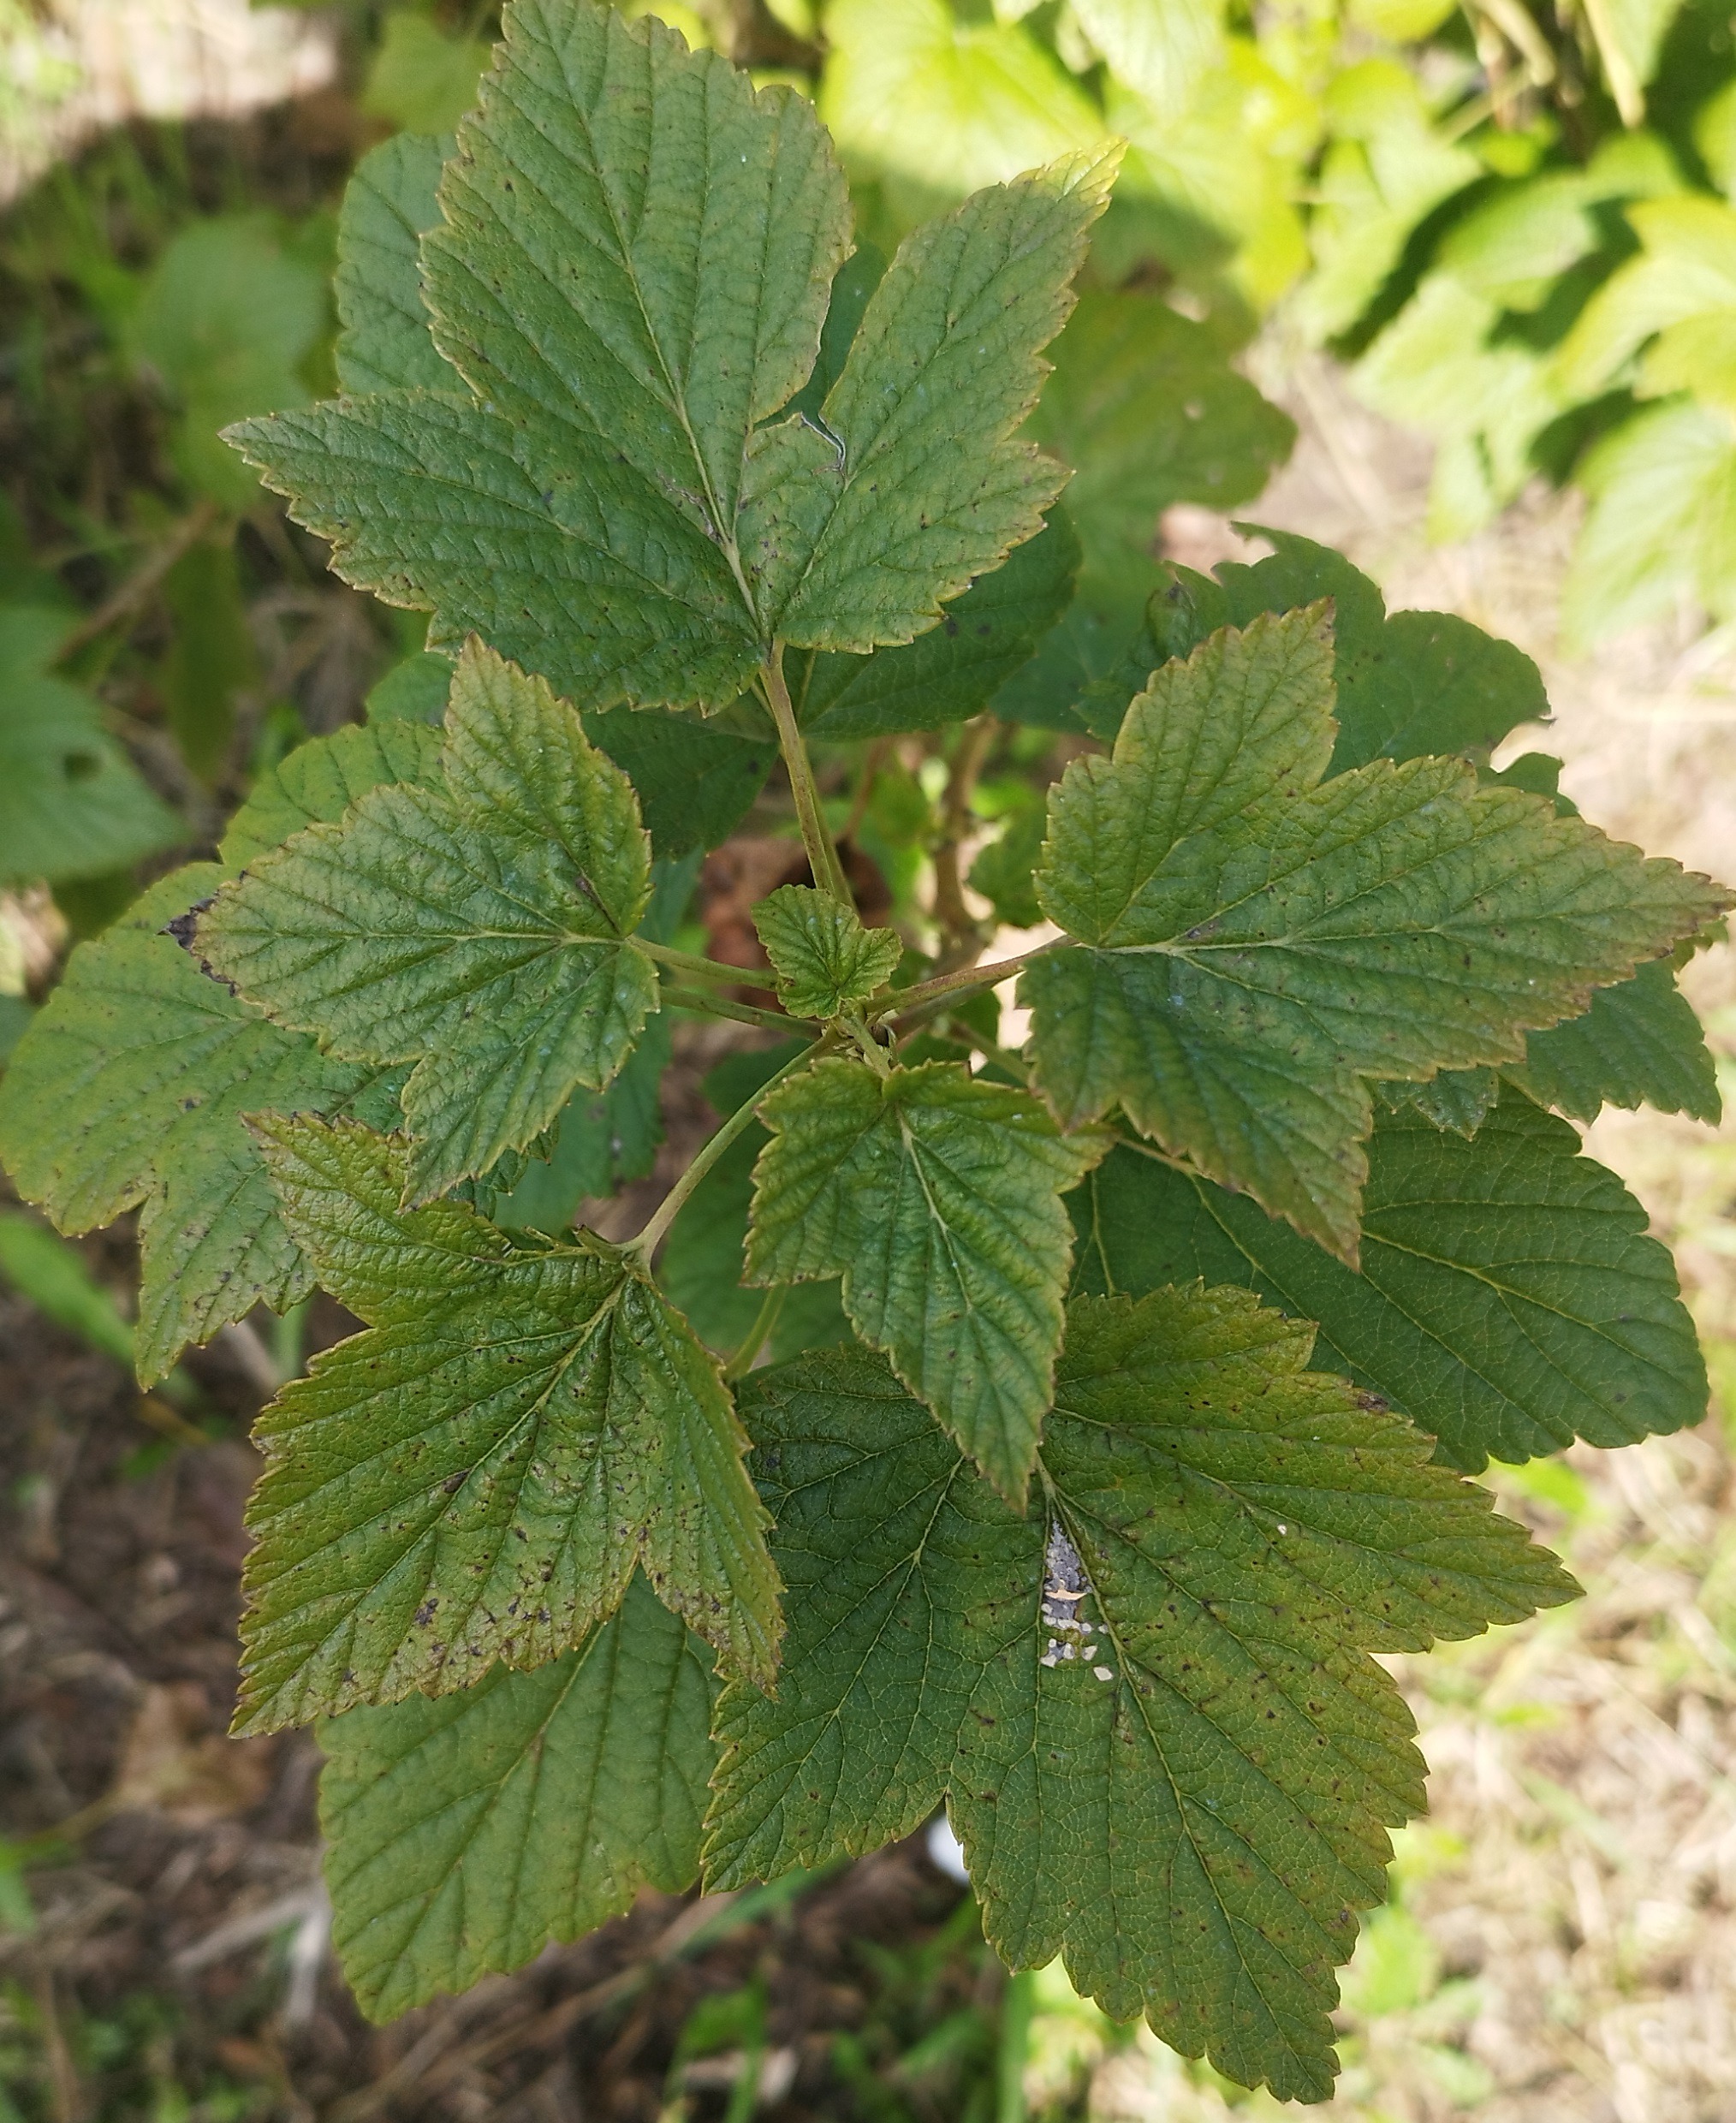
{"x":1018,"y":2004}
{"x":755,"y":1339}
{"x":694,"y":968}
{"x":676,"y":1200}
{"x":942,"y":988}
{"x":822,"y":856}
{"x":738,"y":1013}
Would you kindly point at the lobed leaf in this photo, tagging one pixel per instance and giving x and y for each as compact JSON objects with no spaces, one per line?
{"x":128,"y":1091}
{"x":1165,"y":1747}
{"x":1409,"y":684}
{"x":476,"y":1478}
{"x":936,"y":1197}
{"x":629,"y":280}
{"x":1509,"y":1298}
{"x":955,"y":669}
{"x":479,"y":930}
{"x":391,"y":200}
{"x":1252,"y":959}
{"x":464,"y":1833}
{"x":823,"y":958}
{"x":319,"y":781}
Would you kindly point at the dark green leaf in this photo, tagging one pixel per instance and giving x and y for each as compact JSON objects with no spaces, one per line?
{"x":1167,"y":1750}
{"x":477,"y":1476}
{"x":466,"y":1832}
{"x":1509,"y":1300}
{"x":935,"y":1196}
{"x":388,"y":205}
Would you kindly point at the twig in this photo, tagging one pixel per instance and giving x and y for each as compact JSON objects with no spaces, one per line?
{"x":62,"y":2073}
{"x":141,"y":583}
{"x":740,"y":1012}
{"x":823,"y":854}
{"x":710,"y":1151}
{"x":964,"y":933}
{"x":755,"y":1339}
{"x":904,"y":1005}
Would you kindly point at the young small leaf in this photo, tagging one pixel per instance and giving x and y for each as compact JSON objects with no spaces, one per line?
{"x":823,"y":958}
{"x":1257,"y":946}
{"x":1180,"y":1780}
{"x":479,"y":930}
{"x":1509,"y":1301}
{"x":936,"y":1197}
{"x":128,"y":1090}
{"x":477,"y":1476}
{"x":464,"y":1833}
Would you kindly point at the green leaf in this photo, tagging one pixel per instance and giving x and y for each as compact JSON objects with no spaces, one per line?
{"x":388,"y":204}
{"x":421,"y":78}
{"x":1160,"y":50}
{"x":1387,"y":168}
{"x":611,"y":1136}
{"x":477,"y":1476}
{"x":71,"y":803}
{"x":210,"y":656}
{"x":1179,"y":1782}
{"x":1662,"y":524}
{"x":1002,"y":873}
{"x":823,"y":958}
{"x":1410,"y":684}
{"x":1258,"y":946}
{"x":225,"y":321}
{"x":320,"y":779}
{"x":702,"y":1262}
{"x":1509,"y":1298}
{"x":942,"y":105}
{"x":935,"y":1196}
{"x":466,"y":1833}
{"x":54,"y":1278}
{"x":414,"y":691}
{"x":924,"y":465}
{"x":1639,"y":1044}
{"x":694,"y":783}
{"x":602,"y":1139}
{"x":128,"y":1091}
{"x":1145,"y":407}
{"x":954,"y":670}
{"x":609,"y":501}
{"x":478,"y":930}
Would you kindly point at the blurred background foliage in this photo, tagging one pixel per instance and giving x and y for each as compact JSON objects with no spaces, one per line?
{"x":1506,"y":226}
